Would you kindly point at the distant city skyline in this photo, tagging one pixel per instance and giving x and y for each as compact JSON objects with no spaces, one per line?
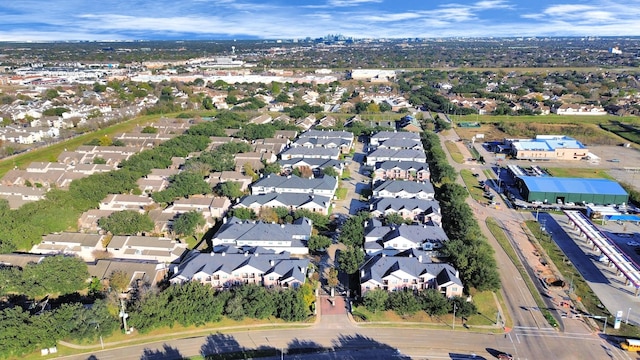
{"x":60,"y":20}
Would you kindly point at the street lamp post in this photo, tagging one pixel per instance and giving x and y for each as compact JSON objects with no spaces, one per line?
{"x":453,"y":321}
{"x":628,"y":312}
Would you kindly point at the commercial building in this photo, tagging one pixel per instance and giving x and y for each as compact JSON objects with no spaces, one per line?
{"x":554,"y":190}
{"x":546,"y":147}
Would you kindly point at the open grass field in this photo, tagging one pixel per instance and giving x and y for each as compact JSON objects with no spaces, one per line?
{"x":50,"y":153}
{"x":453,"y":149}
{"x":484,"y":301}
{"x":589,"y":130}
{"x":473,"y":185}
{"x":591,"y":173}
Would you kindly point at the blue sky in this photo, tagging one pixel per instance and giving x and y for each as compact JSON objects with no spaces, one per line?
{"x":38,"y":20}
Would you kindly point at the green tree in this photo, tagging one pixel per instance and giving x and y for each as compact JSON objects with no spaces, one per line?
{"x":126,"y":222}
{"x":403,"y":302}
{"x":433,"y":302}
{"x":149,"y":130}
{"x":318,"y":242}
{"x":376,"y":300}
{"x":464,"y":308}
{"x":53,"y":275}
{"x":51,"y":94}
{"x":119,"y":280}
{"x":291,"y":306}
{"x":234,"y":308}
{"x":330,"y":171}
{"x":230,"y":189}
{"x":351,"y":259}
{"x":187,"y":223}
{"x":243,"y":213}
{"x":258,"y":302}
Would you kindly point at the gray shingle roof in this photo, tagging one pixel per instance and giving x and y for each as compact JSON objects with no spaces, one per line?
{"x":296,"y":184}
{"x":382,"y":204}
{"x":288,"y":200}
{"x":412,"y":187}
{"x":265,"y":262}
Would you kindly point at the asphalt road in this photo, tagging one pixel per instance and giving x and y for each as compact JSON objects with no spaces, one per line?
{"x":362,"y":342}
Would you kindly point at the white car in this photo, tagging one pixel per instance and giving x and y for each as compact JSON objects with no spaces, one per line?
{"x":633,"y":243}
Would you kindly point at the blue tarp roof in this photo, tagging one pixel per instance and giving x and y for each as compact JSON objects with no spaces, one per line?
{"x":572,"y":185}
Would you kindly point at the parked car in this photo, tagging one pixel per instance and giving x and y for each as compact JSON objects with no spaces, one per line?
{"x":505,"y":356}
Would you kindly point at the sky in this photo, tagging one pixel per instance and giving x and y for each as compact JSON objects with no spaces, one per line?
{"x":59,"y":20}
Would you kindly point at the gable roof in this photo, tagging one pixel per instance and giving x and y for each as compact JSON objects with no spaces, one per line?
{"x":287,"y":199}
{"x":294,"y":183}
{"x":412,"y":187}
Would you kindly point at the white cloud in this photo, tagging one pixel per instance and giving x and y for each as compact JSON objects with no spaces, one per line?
{"x":345,"y":3}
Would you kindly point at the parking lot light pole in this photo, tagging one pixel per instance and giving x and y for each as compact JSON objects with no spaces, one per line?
{"x":627,"y":320}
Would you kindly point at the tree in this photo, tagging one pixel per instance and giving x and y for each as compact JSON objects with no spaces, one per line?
{"x":230,"y":189}
{"x":332,"y":277}
{"x":351,"y":259}
{"x":464,"y":308}
{"x":318,"y":242}
{"x":51,"y":94}
{"x":243,"y":213}
{"x":433,"y":302}
{"x":268,"y":215}
{"x":53,"y":275}
{"x":376,"y":300}
{"x":330,"y":171}
{"x":308,"y":294}
{"x":258,"y":302}
{"x":126,"y":222}
{"x":291,"y":306}
{"x":187,"y":223}
{"x":403,"y":302}
{"x":272,"y":168}
{"x":149,"y":130}
{"x":303,"y":172}
{"x":120,"y":281}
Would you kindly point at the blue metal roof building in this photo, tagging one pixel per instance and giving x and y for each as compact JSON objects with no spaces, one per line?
{"x":577,"y":190}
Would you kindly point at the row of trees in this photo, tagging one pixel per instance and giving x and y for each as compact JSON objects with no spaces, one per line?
{"x":467,"y":249}
{"x":407,"y":302}
{"x":24,"y":331}
{"x":194,"y":303}
{"x":54,"y":275}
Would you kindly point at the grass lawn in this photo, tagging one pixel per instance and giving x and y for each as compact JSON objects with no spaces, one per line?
{"x":456,"y":155}
{"x":346,"y":174}
{"x":50,"y":153}
{"x":341,"y":193}
{"x":472,"y":184}
{"x":579,"y":173}
{"x":177,"y":332}
{"x":487,"y":309}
